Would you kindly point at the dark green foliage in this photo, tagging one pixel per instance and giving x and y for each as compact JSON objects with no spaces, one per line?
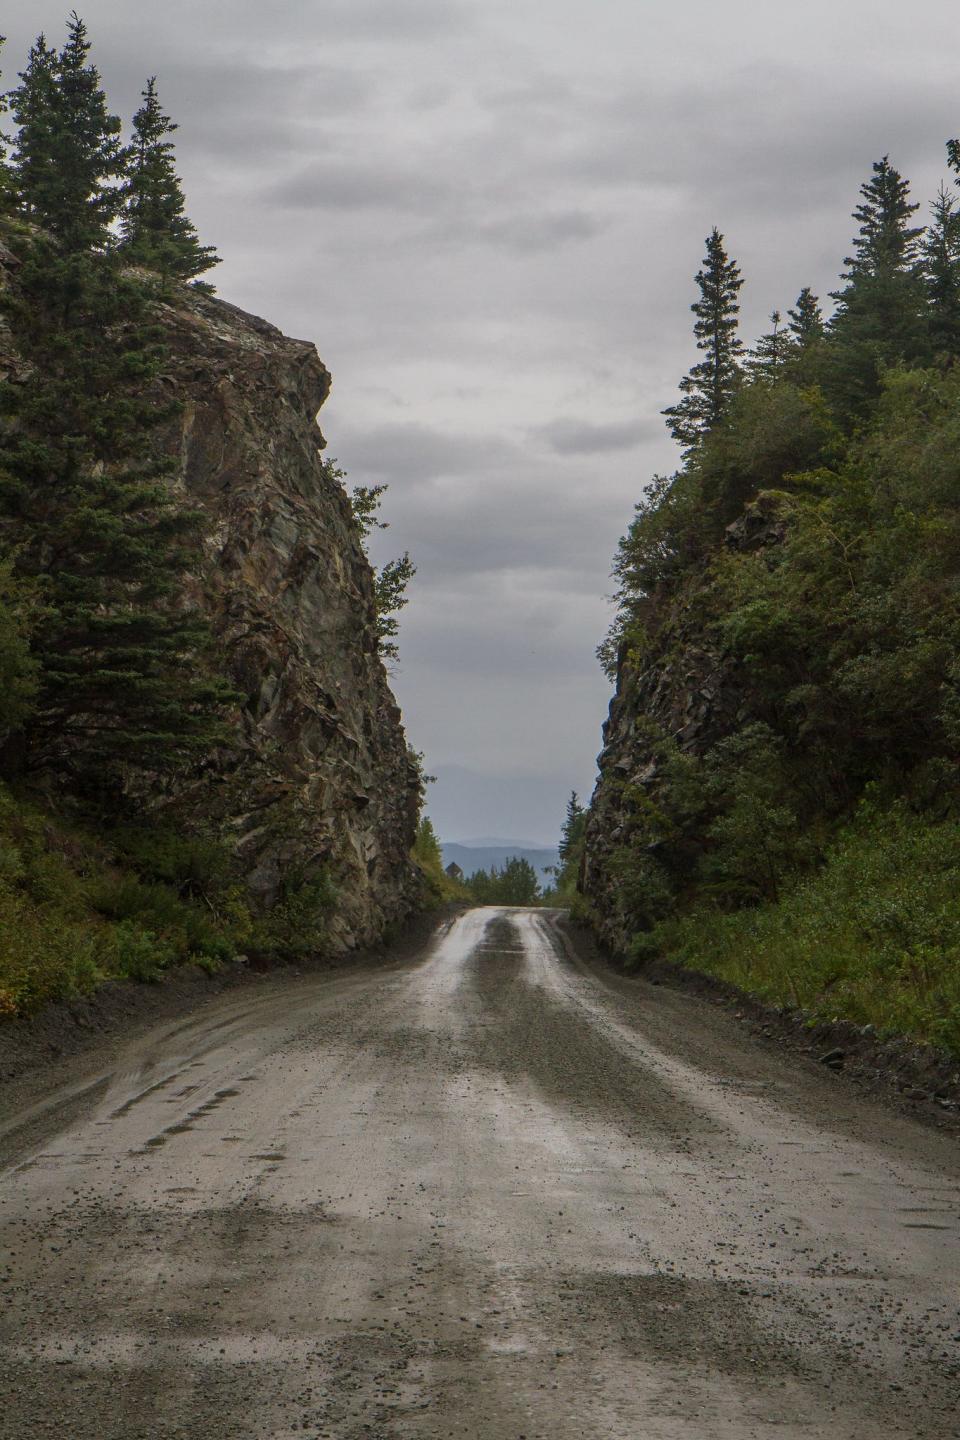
{"x":768,"y":359}
{"x":804,"y":567}
{"x":154,"y":229}
{"x":18,"y":666}
{"x":570,"y":849}
{"x":806,"y":319}
{"x":515,"y":884}
{"x":941,"y":274}
{"x":881,"y":316}
{"x":711,"y":383}
{"x":83,"y":497}
{"x":67,"y":159}
{"x":389,"y":583}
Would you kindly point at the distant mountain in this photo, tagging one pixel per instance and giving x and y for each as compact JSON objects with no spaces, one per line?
{"x":474,"y":857}
{"x":498,"y":842}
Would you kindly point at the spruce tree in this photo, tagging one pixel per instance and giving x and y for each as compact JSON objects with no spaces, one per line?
{"x":573,"y":828}
{"x":84,"y":499}
{"x":881,"y":314}
{"x":67,"y":152}
{"x":710,"y":384}
{"x":155,"y":231}
{"x":941,"y":273}
{"x":806,"y":319}
{"x":769,"y":356}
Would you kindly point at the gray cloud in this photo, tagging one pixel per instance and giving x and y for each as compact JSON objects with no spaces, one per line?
{"x":489,"y":216}
{"x":581,"y":437}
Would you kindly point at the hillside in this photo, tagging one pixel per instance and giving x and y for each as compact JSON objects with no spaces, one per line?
{"x":779,"y":797}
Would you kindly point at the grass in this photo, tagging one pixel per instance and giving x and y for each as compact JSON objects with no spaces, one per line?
{"x":872,"y":937}
{"x":79,"y":907}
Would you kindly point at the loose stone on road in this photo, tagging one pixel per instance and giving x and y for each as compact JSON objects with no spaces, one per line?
{"x":497,"y":1192}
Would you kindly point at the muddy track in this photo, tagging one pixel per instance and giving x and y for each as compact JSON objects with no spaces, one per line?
{"x":492,"y":1192}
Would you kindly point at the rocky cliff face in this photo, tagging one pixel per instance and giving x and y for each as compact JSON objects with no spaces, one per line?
{"x":318,"y":770}
{"x":684,"y":687}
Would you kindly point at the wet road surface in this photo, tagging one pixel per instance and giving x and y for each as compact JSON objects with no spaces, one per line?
{"x":492,"y":1193}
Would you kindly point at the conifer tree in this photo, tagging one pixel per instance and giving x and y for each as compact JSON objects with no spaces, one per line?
{"x":806,"y":319}
{"x":155,"y":230}
{"x":67,"y":151}
{"x":710,"y":384}
{"x":769,"y":356}
{"x":121,"y":673}
{"x":573,"y":828}
{"x":881,"y":314}
{"x":941,"y":273}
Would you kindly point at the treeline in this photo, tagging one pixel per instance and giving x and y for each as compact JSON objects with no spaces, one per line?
{"x":810,"y":546}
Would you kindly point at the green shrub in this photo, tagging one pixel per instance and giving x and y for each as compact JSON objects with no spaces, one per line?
{"x":873,"y":936}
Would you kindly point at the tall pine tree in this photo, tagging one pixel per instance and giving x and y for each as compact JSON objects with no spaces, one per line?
{"x":768,"y":358}
{"x":806,"y":319}
{"x":154,"y":229}
{"x":67,"y":154}
{"x":881,"y":316}
{"x":710,"y":384}
{"x":121,"y":675}
{"x":940,"y":265}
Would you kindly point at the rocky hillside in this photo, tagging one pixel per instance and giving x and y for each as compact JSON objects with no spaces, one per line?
{"x":316,"y":772}
{"x":318,"y":769}
{"x":683,"y":688}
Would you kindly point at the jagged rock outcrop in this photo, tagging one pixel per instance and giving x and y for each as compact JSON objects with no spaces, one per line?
{"x":318,"y":770}
{"x":685,"y":687}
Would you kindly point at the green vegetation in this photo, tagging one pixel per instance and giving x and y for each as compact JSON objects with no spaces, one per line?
{"x":78,"y":907}
{"x":438,"y":887}
{"x":809,"y":547}
{"x":93,"y":533}
{"x":108,"y":684}
{"x":570,"y":853}
{"x":515,"y":883}
{"x":391,"y":581}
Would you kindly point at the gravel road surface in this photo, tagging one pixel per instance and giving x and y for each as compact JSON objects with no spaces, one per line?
{"x":494,"y":1193}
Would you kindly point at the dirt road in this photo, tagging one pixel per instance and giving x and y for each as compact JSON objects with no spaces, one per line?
{"x":493,"y":1193}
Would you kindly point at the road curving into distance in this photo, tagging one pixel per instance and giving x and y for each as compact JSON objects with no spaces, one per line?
{"x":493,"y":1193}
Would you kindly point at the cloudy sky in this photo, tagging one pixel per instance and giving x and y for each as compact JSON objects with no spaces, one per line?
{"x":487,"y":214}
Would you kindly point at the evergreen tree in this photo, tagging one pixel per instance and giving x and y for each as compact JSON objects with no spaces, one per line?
{"x":881,"y":311}
{"x":154,"y":229}
{"x":121,"y":675}
{"x":711,"y":383}
{"x":806,"y":319}
{"x":67,"y":150}
{"x":573,"y":827}
{"x":390,"y":583}
{"x":769,"y":356}
{"x":941,"y":273}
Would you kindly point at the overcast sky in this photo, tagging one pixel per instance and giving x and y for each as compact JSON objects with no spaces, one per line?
{"x":487,"y":214}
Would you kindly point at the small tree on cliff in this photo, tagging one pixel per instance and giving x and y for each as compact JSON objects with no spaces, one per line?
{"x":154,"y":229}
{"x":389,"y":583}
{"x":711,"y":383}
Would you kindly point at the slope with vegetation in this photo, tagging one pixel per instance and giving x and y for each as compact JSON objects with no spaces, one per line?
{"x":779,"y":801}
{"x":199,"y":752}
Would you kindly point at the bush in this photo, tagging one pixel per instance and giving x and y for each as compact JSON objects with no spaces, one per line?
{"x":873,"y":936}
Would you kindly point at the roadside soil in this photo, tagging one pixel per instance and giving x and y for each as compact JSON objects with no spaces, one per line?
{"x":491,"y":1190}
{"x":918,"y":1080}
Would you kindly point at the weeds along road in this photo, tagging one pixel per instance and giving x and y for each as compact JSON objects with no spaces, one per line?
{"x":493,"y":1193}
